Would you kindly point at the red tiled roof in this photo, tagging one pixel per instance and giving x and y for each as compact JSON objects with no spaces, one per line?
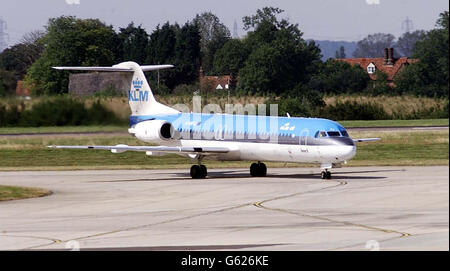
{"x":216,"y":80}
{"x":389,"y":70}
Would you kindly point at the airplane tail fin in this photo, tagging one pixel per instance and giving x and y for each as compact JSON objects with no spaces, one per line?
{"x":140,"y":96}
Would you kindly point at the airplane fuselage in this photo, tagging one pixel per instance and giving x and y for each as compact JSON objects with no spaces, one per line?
{"x":253,"y":137}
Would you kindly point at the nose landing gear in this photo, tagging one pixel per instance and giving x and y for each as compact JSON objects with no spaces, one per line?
{"x":326,"y":174}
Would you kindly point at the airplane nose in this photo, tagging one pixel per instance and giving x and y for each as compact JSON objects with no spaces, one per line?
{"x":348,"y":153}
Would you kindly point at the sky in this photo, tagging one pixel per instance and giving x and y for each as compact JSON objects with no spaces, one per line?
{"x":348,"y":20}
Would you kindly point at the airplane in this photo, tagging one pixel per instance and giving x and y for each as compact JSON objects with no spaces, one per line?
{"x":225,"y":137}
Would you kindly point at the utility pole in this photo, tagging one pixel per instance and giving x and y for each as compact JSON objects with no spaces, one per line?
{"x":407,"y":25}
{"x":235,"y":30}
{"x":158,"y":77}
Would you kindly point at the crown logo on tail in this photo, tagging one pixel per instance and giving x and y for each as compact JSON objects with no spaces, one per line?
{"x":137,"y":84}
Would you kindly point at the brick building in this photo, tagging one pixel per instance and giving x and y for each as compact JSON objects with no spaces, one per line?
{"x":21,"y":90}
{"x":90,"y":83}
{"x":387,"y":64}
{"x":214,"y":82}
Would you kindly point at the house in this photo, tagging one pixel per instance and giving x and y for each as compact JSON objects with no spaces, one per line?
{"x":21,"y":90}
{"x":387,"y":64}
{"x":215,"y":83}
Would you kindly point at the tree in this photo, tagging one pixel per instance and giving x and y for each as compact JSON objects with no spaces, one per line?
{"x":373,"y":45}
{"x":7,"y":82}
{"x":161,"y":48}
{"x":338,"y":77}
{"x":261,"y":70}
{"x":279,"y":57}
{"x":18,"y":58}
{"x":180,"y":46}
{"x":380,"y":86}
{"x":407,"y":42}
{"x":133,"y":43}
{"x":187,"y":54}
{"x":15,"y":61}
{"x":71,"y":42}
{"x":264,"y":15}
{"x":32,"y":37}
{"x":213,"y":35}
{"x":230,"y":58}
{"x":340,"y":53}
{"x":429,"y":76}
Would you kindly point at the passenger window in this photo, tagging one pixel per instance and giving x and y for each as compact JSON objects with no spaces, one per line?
{"x":333,"y":133}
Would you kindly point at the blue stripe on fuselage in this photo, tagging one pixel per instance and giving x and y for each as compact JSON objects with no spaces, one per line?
{"x":245,"y":124}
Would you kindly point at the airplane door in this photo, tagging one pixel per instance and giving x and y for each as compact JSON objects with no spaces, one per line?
{"x":304,"y":140}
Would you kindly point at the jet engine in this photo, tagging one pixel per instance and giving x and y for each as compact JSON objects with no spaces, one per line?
{"x":154,"y":131}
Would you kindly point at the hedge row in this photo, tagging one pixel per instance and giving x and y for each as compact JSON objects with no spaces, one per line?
{"x":353,"y":110}
{"x":58,"y":111}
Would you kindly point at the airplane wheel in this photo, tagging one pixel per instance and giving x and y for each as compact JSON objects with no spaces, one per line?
{"x":258,"y":170}
{"x":326,"y":175}
{"x":254,"y":170}
{"x":198,"y":172}
{"x":203,"y":171}
{"x":262,"y":170}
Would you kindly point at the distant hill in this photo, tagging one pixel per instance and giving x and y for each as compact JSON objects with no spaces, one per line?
{"x":329,"y":48}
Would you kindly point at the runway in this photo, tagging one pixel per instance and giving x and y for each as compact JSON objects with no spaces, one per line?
{"x":361,"y":208}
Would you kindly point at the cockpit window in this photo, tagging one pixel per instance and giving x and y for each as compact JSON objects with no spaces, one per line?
{"x":320,"y":134}
{"x":333,"y":133}
{"x":344,"y":133}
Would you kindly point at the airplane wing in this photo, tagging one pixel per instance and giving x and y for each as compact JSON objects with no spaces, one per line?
{"x":123,"y":148}
{"x":366,"y":139}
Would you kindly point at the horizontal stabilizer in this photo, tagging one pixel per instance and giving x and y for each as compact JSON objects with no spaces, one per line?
{"x":115,"y":68}
{"x":146,"y":68}
{"x":366,"y":139}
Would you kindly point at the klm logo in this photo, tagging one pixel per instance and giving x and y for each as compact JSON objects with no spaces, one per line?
{"x":137,"y":84}
{"x":138,"y":96}
{"x":287,"y":127}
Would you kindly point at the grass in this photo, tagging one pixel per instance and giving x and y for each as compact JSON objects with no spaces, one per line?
{"x":63,"y":129}
{"x":13,"y":192}
{"x":402,"y":103}
{"x":402,"y":148}
{"x":395,"y":148}
{"x":391,"y":123}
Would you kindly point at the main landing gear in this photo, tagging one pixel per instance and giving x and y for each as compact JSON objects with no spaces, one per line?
{"x":258,"y":169}
{"x":198,"y":171}
{"x":326,"y":174}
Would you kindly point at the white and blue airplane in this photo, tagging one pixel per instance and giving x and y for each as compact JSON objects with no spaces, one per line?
{"x":226,"y":137}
